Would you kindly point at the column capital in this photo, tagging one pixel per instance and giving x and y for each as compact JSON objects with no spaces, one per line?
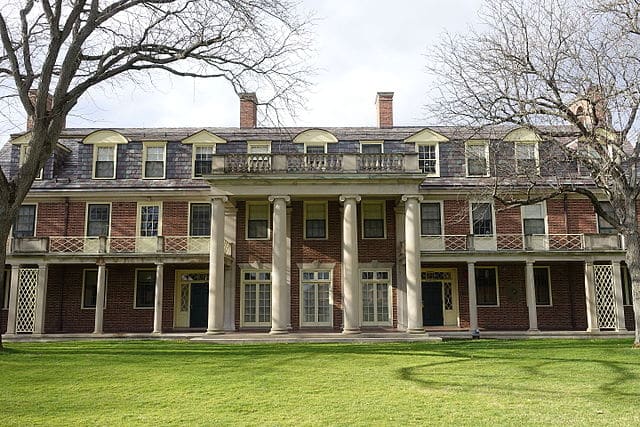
{"x":286,"y":199}
{"x":529,"y":262}
{"x":100,"y":262}
{"x":417,"y":197}
{"x":344,"y":197}
{"x":224,"y":199}
{"x":471,"y":263}
{"x":159,"y":263}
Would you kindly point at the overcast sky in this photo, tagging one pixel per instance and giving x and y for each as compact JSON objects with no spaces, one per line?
{"x":363,"y":46}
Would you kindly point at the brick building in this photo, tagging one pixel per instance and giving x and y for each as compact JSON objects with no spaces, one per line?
{"x":287,"y":229}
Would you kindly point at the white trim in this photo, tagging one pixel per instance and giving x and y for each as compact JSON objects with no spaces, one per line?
{"x":35,"y":220}
{"x":315,"y":144}
{"x":441,"y":203}
{"x":194,"y":148}
{"x":246,"y":219}
{"x":476,"y":142}
{"x":86,"y":216}
{"x":437,"y":156}
{"x":139,"y":217}
{"x":203,"y":137}
{"x":325,"y":203}
{"x":389,"y":282}
{"x":380,"y":143}
{"x":243,"y":283}
{"x":383,"y":203}
{"x":84,"y":277}
{"x":486,"y":267}
{"x":105,"y":137}
{"x":135,"y":288}
{"x":548,"y":268}
{"x":154,"y":144}
{"x":426,"y":135}
{"x":319,"y":136}
{"x":329,"y":282}
{"x":253,"y":144}
{"x":544,"y":216}
{"x":114,"y":148}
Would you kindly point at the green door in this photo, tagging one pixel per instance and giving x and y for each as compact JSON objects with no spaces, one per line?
{"x":199,"y":305}
{"x":432,"y":314}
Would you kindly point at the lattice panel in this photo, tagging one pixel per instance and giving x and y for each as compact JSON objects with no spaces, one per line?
{"x":605,"y":299}
{"x":448,"y":296}
{"x":508,"y":242}
{"x":455,"y":243}
{"x":27,"y":292}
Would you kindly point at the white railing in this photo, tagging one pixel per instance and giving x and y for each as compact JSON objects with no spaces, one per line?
{"x":521,"y":242}
{"x":391,"y":162}
{"x":314,"y":162}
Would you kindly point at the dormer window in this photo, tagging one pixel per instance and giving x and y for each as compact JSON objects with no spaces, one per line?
{"x":104,"y":161}
{"x":477,"y":155}
{"x":24,"y":153}
{"x":315,"y":148}
{"x":154,"y":156}
{"x":527,"y":161}
{"x":202,"y":158}
{"x":428,"y":158}
{"x":371,"y":147}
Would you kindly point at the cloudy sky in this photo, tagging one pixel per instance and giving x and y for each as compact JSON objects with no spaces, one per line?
{"x":363,"y":46}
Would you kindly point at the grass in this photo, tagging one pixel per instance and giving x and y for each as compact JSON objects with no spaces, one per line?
{"x":552,"y":382}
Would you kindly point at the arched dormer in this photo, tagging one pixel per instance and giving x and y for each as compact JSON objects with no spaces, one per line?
{"x":522,"y":134}
{"x":105,"y":148}
{"x":527,"y":153}
{"x":315,"y":140}
{"x":427,"y":144}
{"x":105,"y":137}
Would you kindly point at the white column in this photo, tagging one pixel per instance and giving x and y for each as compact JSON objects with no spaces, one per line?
{"x":473,"y":301}
{"x":13,"y":299}
{"x":590,"y":298}
{"x":157,"y":299}
{"x":617,"y":291}
{"x":350,"y":302}
{"x":400,"y":258}
{"x":412,"y":263}
{"x":41,"y":299}
{"x":279,"y":291}
{"x":215,"y":320}
{"x":529,"y":280}
{"x":100,"y":288}
{"x":288,"y":294}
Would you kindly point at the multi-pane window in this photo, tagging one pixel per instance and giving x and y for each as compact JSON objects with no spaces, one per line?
{"x":104,"y":161}
{"x":543,"y":285}
{"x":315,"y":220}
{"x":482,"y":217}
{"x":533,"y":219}
{"x":487,"y":285}
{"x":202,"y":158}
{"x":371,"y":148}
{"x":526,"y":158}
{"x":316,"y":297}
{"x":373,"y":219}
{"x":25,"y":223}
{"x":428,"y":158}
{"x":154,"y":156}
{"x":256,"y":298}
{"x":257,"y":220}
{"x":24,"y":153}
{"x":376,"y":292}
{"x":626,"y":286}
{"x":200,"y":219}
{"x":149,"y":220}
{"x":90,"y":289}
{"x":430,"y":219}
{"x":315,"y":149}
{"x":145,"y":288}
{"x":98,"y":219}
{"x":477,"y":154}
{"x":603,"y":225}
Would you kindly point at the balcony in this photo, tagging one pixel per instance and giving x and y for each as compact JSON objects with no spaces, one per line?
{"x":298,"y":163}
{"x":70,"y":245}
{"x":521,"y":242}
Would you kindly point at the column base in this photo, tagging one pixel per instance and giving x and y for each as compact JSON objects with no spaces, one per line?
{"x":593,"y":330}
{"x":353,"y":331}
{"x":97,"y":332}
{"x":215,"y":332}
{"x":622,"y":330}
{"x":533,"y":331}
{"x":416,"y":331}
{"x":278,"y":331}
{"x":156,"y":333}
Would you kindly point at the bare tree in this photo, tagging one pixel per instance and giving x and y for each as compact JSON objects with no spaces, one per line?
{"x":571,"y":73}
{"x":67,"y":47}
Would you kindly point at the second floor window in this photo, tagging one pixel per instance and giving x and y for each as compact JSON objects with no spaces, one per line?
{"x":428,"y":158}
{"x":257,"y":220}
{"x":200,"y":219}
{"x":25,"y":223}
{"x":149,"y":220}
{"x":482,"y":219}
{"x":477,"y":154}
{"x":98,"y":220}
{"x":202,"y":158}
{"x":373,"y":220}
{"x":603,"y":226}
{"x":533,"y":219}
{"x":315,"y":220}
{"x":431,"y":220}
{"x":105,"y":162}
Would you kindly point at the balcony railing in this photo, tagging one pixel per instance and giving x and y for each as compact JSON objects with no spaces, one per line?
{"x":522,"y":242}
{"x":314,"y":163}
{"x":115,"y":245}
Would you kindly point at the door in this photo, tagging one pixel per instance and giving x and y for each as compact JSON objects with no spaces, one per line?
{"x":432,"y":314}
{"x":199,"y":305}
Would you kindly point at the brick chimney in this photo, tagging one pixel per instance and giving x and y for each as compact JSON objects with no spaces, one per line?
{"x":33,"y":97}
{"x":248,"y":110}
{"x":384,"y":107}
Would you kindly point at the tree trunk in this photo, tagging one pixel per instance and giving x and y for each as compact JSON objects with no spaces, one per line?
{"x":3,"y":260}
{"x":633,"y":264}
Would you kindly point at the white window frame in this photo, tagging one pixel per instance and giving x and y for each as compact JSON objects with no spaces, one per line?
{"x":325,"y":204}
{"x":139,"y":217}
{"x":382,"y":203}
{"x":24,"y":151}
{"x":84,"y":284}
{"x":189,"y":218}
{"x":154,"y":144}
{"x":389,"y":282}
{"x":495,"y":268}
{"x":316,"y":281}
{"x":315,"y":144}
{"x":35,"y":220}
{"x":536,"y":155}
{"x":493,"y":218}
{"x":86,"y":217}
{"x":543,"y":206}
{"x":433,"y":202}
{"x":437,"y":156}
{"x":380,"y":143}
{"x":194,"y":149}
{"x":114,"y":148}
{"x":248,"y":204}
{"x":548,"y":269}
{"x":251,"y":145}
{"x":243,"y":283}
{"x":471,"y":143}
{"x":135,"y":290}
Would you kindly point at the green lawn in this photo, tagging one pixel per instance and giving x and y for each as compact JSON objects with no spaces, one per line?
{"x":483,"y":382}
